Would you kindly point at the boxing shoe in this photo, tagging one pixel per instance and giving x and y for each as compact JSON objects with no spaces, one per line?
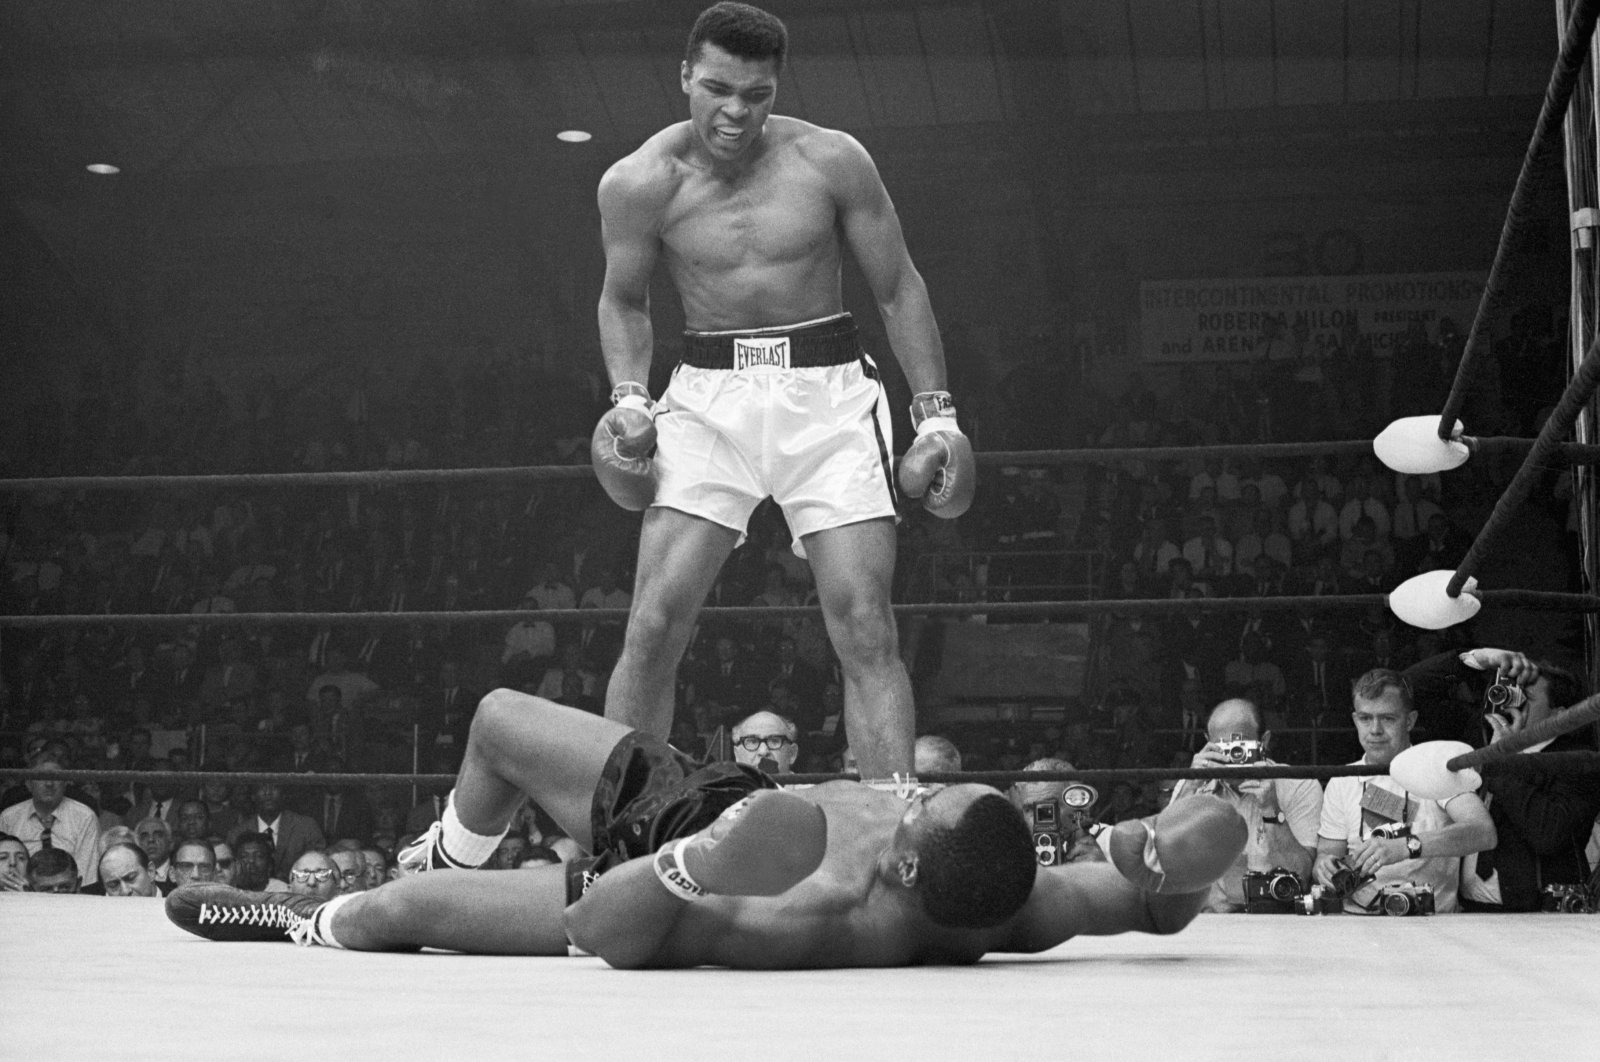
{"x":426,"y":853}
{"x":221,"y":912}
{"x":1184,"y":849}
{"x":762,"y":846}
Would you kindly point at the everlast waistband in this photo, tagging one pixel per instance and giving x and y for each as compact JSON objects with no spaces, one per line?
{"x":830,"y":341}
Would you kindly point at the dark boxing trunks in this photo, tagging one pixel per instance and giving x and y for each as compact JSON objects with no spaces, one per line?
{"x":831,"y":341}
{"x":650,"y":794}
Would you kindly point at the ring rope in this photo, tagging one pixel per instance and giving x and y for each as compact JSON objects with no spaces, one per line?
{"x":1572,"y":403}
{"x":1577,"y":453}
{"x":1557,"y":96}
{"x":1544,"y":600}
{"x":1579,"y":761}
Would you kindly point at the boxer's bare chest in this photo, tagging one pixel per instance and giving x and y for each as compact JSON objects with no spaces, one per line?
{"x":778,"y":212}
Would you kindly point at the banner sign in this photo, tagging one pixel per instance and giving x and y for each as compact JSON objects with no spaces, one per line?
{"x":1242,"y":320}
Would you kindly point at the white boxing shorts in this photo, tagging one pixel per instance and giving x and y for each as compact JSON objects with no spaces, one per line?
{"x":795,"y":412}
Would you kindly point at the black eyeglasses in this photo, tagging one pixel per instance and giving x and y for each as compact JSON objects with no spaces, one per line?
{"x":305,"y":877}
{"x":773,"y":742}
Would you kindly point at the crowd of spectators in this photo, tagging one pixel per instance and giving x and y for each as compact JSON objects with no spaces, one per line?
{"x":391,"y":695}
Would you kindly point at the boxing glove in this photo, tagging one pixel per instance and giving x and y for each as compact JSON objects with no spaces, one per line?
{"x":621,"y":446}
{"x":939,"y":467}
{"x":1184,"y":849}
{"x":762,"y":846}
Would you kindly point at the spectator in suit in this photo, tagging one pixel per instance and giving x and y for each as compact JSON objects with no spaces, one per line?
{"x":724,"y":684}
{"x":570,"y":660}
{"x":290,"y":833}
{"x":222,"y":817}
{"x":178,"y":694}
{"x":125,"y":872}
{"x":158,"y":800}
{"x":229,"y":678}
{"x":193,"y":821}
{"x":352,"y":869}
{"x":193,"y":860}
{"x":155,"y":837}
{"x":445,"y":708}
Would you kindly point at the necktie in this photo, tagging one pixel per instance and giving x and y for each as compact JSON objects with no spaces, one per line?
{"x":45,"y":822}
{"x":271,"y":836}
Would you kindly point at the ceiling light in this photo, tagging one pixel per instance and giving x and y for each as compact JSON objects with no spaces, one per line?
{"x":574,"y":136}
{"x":103,"y":168}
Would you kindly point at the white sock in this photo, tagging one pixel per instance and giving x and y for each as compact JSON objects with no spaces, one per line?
{"x":462,"y":846}
{"x":322,"y":921}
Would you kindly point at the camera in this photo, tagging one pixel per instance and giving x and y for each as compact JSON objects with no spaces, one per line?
{"x":1404,"y":898}
{"x":1346,"y":879}
{"x":1044,"y":820}
{"x":1566,"y":899}
{"x":1503,"y":694}
{"x":1275,"y":891}
{"x":1239,"y":750}
{"x":1318,"y":900}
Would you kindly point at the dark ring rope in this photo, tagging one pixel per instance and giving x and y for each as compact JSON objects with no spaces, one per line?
{"x":1575,"y":453}
{"x":1572,"y":403}
{"x":1544,"y":600}
{"x":1586,"y":762}
{"x":1557,"y":96}
{"x":1582,"y":714}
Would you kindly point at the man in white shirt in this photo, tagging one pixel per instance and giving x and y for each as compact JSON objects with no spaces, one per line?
{"x":51,"y":819}
{"x":1381,"y":831}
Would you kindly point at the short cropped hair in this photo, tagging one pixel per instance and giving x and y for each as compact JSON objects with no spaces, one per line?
{"x":939,"y":752}
{"x":979,"y":872}
{"x":740,"y":30}
{"x":1379,"y":680}
{"x":48,"y":862}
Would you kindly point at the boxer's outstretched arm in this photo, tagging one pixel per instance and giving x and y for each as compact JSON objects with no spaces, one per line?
{"x":1093,"y":899}
{"x":1158,"y":877}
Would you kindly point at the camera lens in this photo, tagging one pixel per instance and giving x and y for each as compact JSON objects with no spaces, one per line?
{"x":1397,"y":903}
{"x":1284,"y":887}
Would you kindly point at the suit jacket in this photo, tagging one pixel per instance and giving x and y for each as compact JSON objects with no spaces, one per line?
{"x":348,"y":816}
{"x":1543,"y":817}
{"x":141,"y":811}
{"x":297,"y":834}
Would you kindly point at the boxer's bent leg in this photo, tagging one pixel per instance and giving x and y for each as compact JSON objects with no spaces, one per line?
{"x":853,"y":565}
{"x":524,"y":744}
{"x":496,"y":912}
{"x":680,"y":557}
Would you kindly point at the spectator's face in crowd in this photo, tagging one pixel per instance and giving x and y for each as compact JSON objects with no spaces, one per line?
{"x":314,"y":874}
{"x":193,"y":862}
{"x":47,"y":796}
{"x":155,"y":837}
{"x":193,"y":820}
{"x":252,"y":865}
{"x":765,"y":730}
{"x":372,"y":859}
{"x":1384,"y":726}
{"x":224,"y":863}
{"x":507,"y":855}
{"x":352,"y":870}
{"x":269,"y":799}
{"x":123,"y":876}
{"x":13,"y":857}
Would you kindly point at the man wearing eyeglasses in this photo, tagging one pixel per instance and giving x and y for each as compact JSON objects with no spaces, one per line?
{"x":768,"y":741}
{"x":1282,"y":813}
{"x":193,"y":861}
{"x":314,"y":874}
{"x":352,"y":869}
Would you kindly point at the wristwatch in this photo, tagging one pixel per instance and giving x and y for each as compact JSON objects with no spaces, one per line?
{"x":1276,"y":817}
{"x":1414,"y":847}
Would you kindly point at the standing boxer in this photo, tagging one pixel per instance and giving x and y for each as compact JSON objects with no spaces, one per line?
{"x":750,"y":213}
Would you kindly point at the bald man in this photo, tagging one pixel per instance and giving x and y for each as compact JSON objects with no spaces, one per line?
{"x":936,"y":755}
{"x":766,"y":740}
{"x":1282,"y":813}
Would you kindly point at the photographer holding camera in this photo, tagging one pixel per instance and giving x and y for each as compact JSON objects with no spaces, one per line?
{"x":1391,"y":840}
{"x":1061,"y":816}
{"x":1282,"y":813}
{"x":1542,"y":817}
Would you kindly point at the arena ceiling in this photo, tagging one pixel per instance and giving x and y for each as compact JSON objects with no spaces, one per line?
{"x":173,"y":86}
